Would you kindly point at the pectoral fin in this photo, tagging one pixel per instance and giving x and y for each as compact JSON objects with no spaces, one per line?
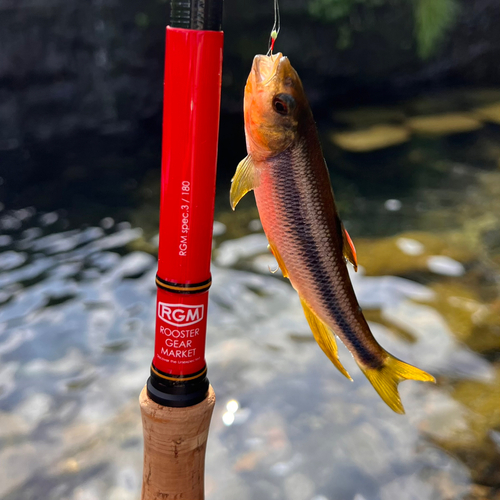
{"x":324,"y":337}
{"x":279,"y":260}
{"x":244,"y":180}
{"x":348,"y":248}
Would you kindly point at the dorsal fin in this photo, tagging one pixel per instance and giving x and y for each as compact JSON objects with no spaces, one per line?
{"x":348,"y":248}
{"x":243,"y":180}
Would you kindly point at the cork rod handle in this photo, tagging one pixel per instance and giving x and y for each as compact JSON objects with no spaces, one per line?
{"x":175,"y":441}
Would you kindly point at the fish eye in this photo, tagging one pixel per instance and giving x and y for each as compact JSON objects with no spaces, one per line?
{"x":283,"y":103}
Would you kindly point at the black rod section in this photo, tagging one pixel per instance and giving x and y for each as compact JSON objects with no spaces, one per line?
{"x":197,"y":14}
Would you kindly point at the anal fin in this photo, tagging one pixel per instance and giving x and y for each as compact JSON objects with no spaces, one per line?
{"x":324,"y":337}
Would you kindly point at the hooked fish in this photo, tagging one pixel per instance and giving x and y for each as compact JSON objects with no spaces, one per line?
{"x":287,"y":172}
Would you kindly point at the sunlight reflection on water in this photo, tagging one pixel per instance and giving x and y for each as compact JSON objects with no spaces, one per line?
{"x":76,"y":342}
{"x":76,"y":345}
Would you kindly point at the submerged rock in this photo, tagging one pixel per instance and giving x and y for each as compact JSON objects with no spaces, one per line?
{"x":393,"y":255}
{"x":441,"y":264}
{"x":473,"y":443}
{"x":470,"y":319}
{"x":430,"y":103}
{"x":489,"y":113}
{"x":481,"y":96}
{"x":376,"y":137}
{"x":443,"y":124}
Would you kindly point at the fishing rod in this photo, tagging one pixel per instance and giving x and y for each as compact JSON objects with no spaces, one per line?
{"x":177,"y":402}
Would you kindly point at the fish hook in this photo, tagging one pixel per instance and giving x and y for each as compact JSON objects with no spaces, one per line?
{"x":276,"y":28}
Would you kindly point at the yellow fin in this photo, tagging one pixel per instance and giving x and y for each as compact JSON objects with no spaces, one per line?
{"x":324,"y":337}
{"x":348,"y":248}
{"x":279,"y":260}
{"x":385,"y":380}
{"x":243,"y":181}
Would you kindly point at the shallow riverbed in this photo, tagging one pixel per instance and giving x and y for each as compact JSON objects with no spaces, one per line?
{"x":77,"y":323}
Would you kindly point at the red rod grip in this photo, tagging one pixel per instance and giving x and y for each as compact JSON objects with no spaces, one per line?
{"x":193,"y":68}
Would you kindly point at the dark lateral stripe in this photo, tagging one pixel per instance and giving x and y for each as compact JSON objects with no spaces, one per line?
{"x":186,"y":288}
{"x":178,"y":378}
{"x":301,"y":232}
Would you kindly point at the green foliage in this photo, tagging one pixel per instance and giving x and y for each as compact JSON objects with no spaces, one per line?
{"x":334,"y":10}
{"x":142,"y":20}
{"x":345,"y":37}
{"x":433,"y":18}
{"x":330,"y":10}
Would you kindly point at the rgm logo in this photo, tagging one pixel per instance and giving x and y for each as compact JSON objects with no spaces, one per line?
{"x":180,"y":314}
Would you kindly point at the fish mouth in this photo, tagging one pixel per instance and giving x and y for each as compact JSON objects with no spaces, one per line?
{"x":266,"y":67}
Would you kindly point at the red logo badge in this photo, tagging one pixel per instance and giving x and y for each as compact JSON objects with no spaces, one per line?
{"x":180,"y":314}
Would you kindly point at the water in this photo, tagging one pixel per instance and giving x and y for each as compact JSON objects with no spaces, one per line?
{"x":77,"y":323}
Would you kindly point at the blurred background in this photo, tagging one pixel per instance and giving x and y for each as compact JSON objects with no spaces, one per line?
{"x":406,"y":94}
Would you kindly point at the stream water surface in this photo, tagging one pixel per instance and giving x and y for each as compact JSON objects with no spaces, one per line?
{"x":77,"y":325}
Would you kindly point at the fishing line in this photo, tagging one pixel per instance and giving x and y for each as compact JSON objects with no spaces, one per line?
{"x":276,"y":28}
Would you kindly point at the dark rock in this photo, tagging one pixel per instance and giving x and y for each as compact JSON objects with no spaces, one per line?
{"x":67,"y":66}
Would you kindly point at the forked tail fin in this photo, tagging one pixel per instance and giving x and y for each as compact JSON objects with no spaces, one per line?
{"x":385,"y":380}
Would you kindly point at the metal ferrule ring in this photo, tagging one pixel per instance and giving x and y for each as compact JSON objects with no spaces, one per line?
{"x":186,"y":288}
